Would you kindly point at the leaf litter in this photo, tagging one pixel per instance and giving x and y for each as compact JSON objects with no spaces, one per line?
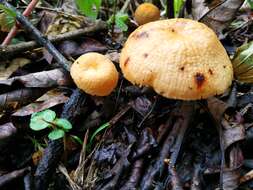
{"x":147,"y":141}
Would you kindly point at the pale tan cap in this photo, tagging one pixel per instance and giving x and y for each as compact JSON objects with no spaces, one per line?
{"x":95,"y":74}
{"x":179,"y":58}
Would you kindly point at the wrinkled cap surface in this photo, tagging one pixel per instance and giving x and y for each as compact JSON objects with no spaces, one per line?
{"x":179,"y":58}
{"x":95,"y":74}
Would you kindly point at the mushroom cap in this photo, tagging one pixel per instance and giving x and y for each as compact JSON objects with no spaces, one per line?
{"x":95,"y":74}
{"x":146,"y":12}
{"x":179,"y":58}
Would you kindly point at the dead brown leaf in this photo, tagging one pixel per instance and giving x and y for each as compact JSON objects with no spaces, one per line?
{"x":41,"y":105}
{"x":230,"y":178}
{"x":72,"y":48}
{"x":217,"y":108}
{"x":13,"y":100}
{"x":44,"y":79}
{"x":232,"y":133}
{"x":7,"y":131}
{"x":219,"y":17}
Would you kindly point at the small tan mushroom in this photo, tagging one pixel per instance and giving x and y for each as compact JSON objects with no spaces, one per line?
{"x":179,"y":58}
{"x":146,"y":12}
{"x":95,"y":74}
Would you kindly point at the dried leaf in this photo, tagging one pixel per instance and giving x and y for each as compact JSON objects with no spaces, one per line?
{"x":248,"y":176}
{"x":13,"y":100}
{"x":113,"y":56}
{"x":72,"y":48}
{"x":44,"y":79}
{"x":222,"y":15}
{"x":142,"y":105}
{"x":39,"y":106}
{"x":7,"y":131}
{"x":217,"y":108}
{"x":233,"y":133}
{"x":63,"y":23}
{"x":5,"y":72}
{"x":230,"y":178}
{"x":198,"y":9}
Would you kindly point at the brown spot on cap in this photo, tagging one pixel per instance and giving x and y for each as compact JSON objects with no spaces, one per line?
{"x":181,"y":68}
{"x":200,"y":79}
{"x":142,"y":35}
{"x":210,"y":71}
{"x":126,"y":61}
{"x":145,"y":55}
{"x":224,"y":66}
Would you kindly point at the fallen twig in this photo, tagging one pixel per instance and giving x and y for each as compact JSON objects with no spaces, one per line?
{"x":10,"y":50}
{"x":60,"y":59}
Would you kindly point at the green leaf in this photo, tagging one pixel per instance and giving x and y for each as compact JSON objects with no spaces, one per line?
{"x":177,"y":6}
{"x":101,"y":128}
{"x":77,"y":139}
{"x":243,"y":63}
{"x":6,"y":22}
{"x":89,"y":7}
{"x":56,"y":134}
{"x":41,"y":120}
{"x":121,"y":20}
{"x":8,"y":11}
{"x":250,"y":2}
{"x":63,"y":123}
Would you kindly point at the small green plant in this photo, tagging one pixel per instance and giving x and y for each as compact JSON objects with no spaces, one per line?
{"x":250,"y":2}
{"x":90,"y":8}
{"x":120,"y":19}
{"x":8,"y":11}
{"x":47,"y":119}
{"x":101,"y":128}
{"x":177,"y":6}
{"x":7,"y":18}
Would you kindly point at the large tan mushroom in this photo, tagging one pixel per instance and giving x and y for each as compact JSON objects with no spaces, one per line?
{"x":179,"y":58}
{"x":95,"y":74}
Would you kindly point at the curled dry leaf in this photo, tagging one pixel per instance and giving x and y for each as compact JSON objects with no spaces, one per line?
{"x":217,"y":108}
{"x":39,"y":106}
{"x":7,"y":131}
{"x":72,"y":48}
{"x":230,"y":178}
{"x":233,"y":133}
{"x":44,"y":79}
{"x":13,"y":100}
{"x":219,"y":17}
